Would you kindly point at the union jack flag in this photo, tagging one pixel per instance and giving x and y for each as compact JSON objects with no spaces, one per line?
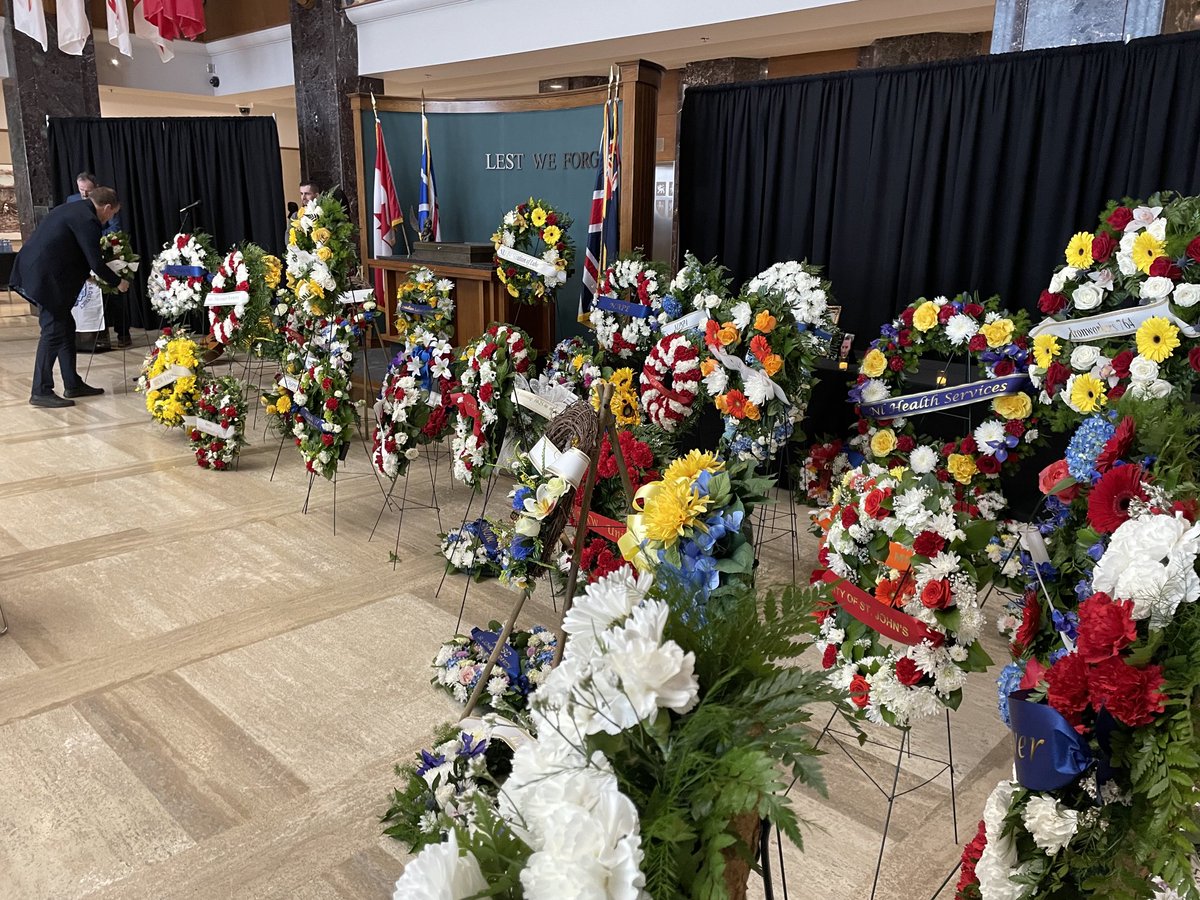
{"x":603,"y":236}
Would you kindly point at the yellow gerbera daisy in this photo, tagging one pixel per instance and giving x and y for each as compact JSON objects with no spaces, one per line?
{"x":1045,"y":350}
{"x":551,"y":234}
{"x":1157,"y":338}
{"x":693,"y":464}
{"x":1088,"y":393}
{"x":538,"y":217}
{"x":1146,"y":249}
{"x":672,"y":508}
{"x":1079,"y":250}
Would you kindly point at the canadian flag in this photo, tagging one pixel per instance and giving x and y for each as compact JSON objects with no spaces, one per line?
{"x":73,"y":27}
{"x":143,"y":28}
{"x":118,"y":25}
{"x":29,"y":17}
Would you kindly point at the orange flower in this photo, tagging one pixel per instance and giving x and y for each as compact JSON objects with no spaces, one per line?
{"x":732,"y":404}
{"x":886,"y":592}
{"x":759,"y":347}
{"x":727,"y":334}
{"x":708,"y":366}
{"x":764,"y":322}
{"x":772,"y":364}
{"x":751,"y":411}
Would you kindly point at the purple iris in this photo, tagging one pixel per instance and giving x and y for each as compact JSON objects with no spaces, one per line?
{"x":471,"y":747}
{"x":430,"y":761}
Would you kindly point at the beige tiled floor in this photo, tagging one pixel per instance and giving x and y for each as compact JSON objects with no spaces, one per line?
{"x":204,"y":691}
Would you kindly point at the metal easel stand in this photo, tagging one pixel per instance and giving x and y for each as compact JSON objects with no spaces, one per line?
{"x":3,"y":621}
{"x":848,"y":742}
{"x":404,"y":504}
{"x":779,"y":523}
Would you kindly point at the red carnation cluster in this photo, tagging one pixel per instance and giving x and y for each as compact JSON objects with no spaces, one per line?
{"x":968,"y":884}
{"x":600,"y":557}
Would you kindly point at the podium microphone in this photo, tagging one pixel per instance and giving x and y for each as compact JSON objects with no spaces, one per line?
{"x":191,"y":205}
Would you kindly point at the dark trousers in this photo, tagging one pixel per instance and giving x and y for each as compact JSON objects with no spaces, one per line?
{"x":116,"y":313}
{"x":57,"y":342}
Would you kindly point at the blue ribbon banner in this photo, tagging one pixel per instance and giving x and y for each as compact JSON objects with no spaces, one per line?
{"x":1047,"y":752}
{"x":623,"y":307}
{"x":508,"y":659}
{"x":312,"y":420}
{"x":820,"y":333}
{"x":945,"y":398}
{"x":417,"y":309}
{"x":186,"y":271}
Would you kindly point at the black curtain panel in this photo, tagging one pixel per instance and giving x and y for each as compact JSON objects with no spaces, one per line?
{"x":933,"y":179}
{"x":159,"y":166}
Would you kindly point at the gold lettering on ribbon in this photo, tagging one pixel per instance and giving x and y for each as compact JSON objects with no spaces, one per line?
{"x":1024,"y":742}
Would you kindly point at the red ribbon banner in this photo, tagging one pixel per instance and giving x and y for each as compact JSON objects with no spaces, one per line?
{"x":891,"y":623}
{"x":468,"y":407}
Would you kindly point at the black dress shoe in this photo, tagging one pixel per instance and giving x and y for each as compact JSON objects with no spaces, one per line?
{"x":84,"y":390}
{"x":49,"y":401}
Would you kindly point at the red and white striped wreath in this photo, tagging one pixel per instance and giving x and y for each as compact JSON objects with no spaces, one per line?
{"x":671,"y":381}
{"x":232,"y":275}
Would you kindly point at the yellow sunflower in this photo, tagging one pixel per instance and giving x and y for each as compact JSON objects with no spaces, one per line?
{"x":1088,"y":393}
{"x":671,"y":508}
{"x":1157,"y":338}
{"x":693,"y":464}
{"x":1079,"y":250}
{"x":1045,"y":350}
{"x":1146,"y":249}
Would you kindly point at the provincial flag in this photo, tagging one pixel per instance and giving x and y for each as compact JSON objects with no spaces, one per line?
{"x":603,"y":224}
{"x":142,"y":27}
{"x":118,"y":25}
{"x":386,"y":209}
{"x":428,"y":213}
{"x":73,"y":27}
{"x":29,"y":17}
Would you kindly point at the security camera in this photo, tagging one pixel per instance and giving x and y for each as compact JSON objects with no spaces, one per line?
{"x":244,"y":110}
{"x":214,"y":81}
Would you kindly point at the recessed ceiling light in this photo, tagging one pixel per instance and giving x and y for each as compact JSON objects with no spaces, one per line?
{"x":116,"y":61}
{"x":557,"y":85}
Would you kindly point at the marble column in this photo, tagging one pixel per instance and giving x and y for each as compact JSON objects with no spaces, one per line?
{"x":41,"y":84}
{"x":1032,"y":24}
{"x":919,"y":48}
{"x":723,"y":71}
{"x":325,"y":59}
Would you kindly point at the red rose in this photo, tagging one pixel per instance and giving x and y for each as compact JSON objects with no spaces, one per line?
{"x":946,"y":313}
{"x":1108,"y":503}
{"x":1164,"y":267}
{"x":1116,"y":393}
{"x":977,"y":343}
{"x":1052,"y":475}
{"x":551,"y":218}
{"x":1116,"y":446}
{"x":1131,"y":693}
{"x":905,"y":444}
{"x":968,"y":445}
{"x":974,"y":310}
{"x":873,"y":504}
{"x":1190,"y":509}
{"x":331,"y":403}
{"x":1056,"y":376}
{"x":486,"y":391}
{"x":907,"y":316}
{"x":1194,"y":358}
{"x":988,"y":465}
{"x":327,"y":439}
{"x":929,"y":544}
{"x":829,"y":657}
{"x":1004,"y":367}
{"x":907,"y":671}
{"x":1031,"y":620}
{"x":936,"y":594}
{"x":863,"y":426}
{"x":1120,"y":217}
{"x":905,"y":338}
{"x":1102,"y":247}
{"x":860,"y":691}
{"x":849,"y":516}
{"x":1050,"y":303}
{"x":1193,"y":249}
{"x":1105,"y":627}
{"x":1068,"y":688}
{"x":896,"y":364}
{"x":942,"y":475}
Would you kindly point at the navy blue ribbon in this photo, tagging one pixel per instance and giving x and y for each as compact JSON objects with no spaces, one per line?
{"x":1047,"y":751}
{"x":945,"y":398}
{"x":623,"y":307}
{"x":417,"y":309}
{"x":186,"y":272}
{"x":819,"y":332}
{"x":425,"y":355}
{"x":312,"y":420}
{"x":508,"y":660}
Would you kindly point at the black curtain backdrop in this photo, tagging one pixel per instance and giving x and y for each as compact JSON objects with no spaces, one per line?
{"x":933,"y":179}
{"x":231,"y":165}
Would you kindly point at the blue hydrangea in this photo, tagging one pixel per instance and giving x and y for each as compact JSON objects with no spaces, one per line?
{"x":1085,"y":445}
{"x":1008,"y":681}
{"x":671,"y":307}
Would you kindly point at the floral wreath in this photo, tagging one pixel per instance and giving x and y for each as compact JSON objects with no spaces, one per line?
{"x":461,"y":660}
{"x":320,"y":254}
{"x":762,"y":350}
{"x":670,"y":382}
{"x":424,"y":301}
{"x":571,"y":365}
{"x":117,"y":253}
{"x":173,"y":296}
{"x":484,"y":403}
{"x":899,"y":538}
{"x":221,"y":406}
{"x":534,"y":251}
{"x":414,"y":402}
{"x":252,"y":270}
{"x":174,"y":364}
{"x":637,"y":285}
{"x":323,"y":415}
{"x":995,"y":342}
{"x":473,"y":549}
{"x":226,"y":320}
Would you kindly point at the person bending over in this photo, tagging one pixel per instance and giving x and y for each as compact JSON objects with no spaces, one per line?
{"x":49,"y":272}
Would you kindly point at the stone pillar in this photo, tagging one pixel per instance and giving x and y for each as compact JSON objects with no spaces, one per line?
{"x":724,"y":71}
{"x":42,"y":84}
{"x":325,"y":59}
{"x":1033,"y":24}
{"x":908,"y":49}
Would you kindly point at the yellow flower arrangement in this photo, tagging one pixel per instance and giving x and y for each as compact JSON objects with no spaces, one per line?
{"x":925,"y":317}
{"x":997,"y":333}
{"x":625,"y":404}
{"x":873,"y":363}
{"x":1146,"y":249}
{"x":1157,"y":338}
{"x":1088,"y":393}
{"x":1045,"y":350}
{"x":883,"y":442}
{"x":170,"y":403}
{"x":1079,"y":250}
{"x":1014,"y":406}
{"x":962,"y":467}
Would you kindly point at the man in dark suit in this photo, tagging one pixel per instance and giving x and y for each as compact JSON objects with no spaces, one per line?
{"x":49,"y":272}
{"x":116,"y":309}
